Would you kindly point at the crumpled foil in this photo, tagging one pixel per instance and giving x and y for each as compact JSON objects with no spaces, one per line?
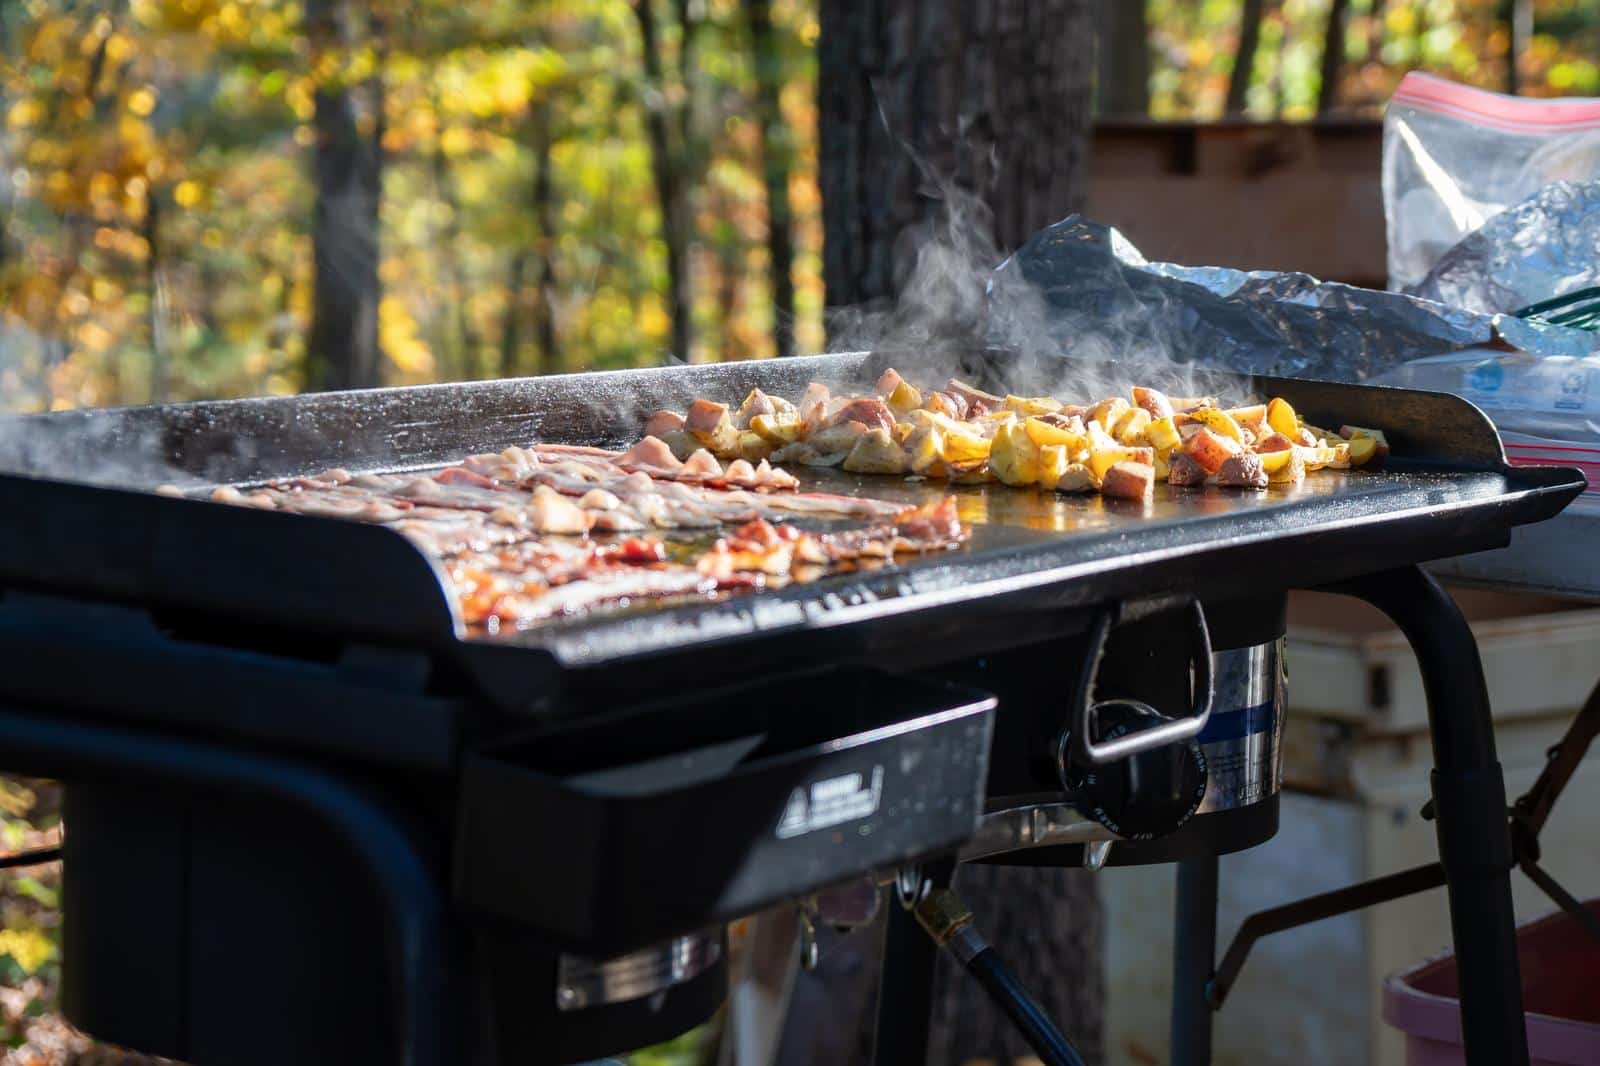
{"x":1080,"y":289}
{"x":1547,"y":245}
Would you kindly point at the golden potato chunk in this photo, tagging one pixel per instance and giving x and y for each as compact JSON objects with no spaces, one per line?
{"x":1014,"y":458}
{"x":1281,"y":417}
{"x":875,"y":452}
{"x":1154,"y":401}
{"x":1209,"y":450}
{"x":1129,"y":480}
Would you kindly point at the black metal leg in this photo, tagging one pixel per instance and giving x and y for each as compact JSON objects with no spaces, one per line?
{"x":419,"y":948}
{"x":1470,"y":804}
{"x":1193,"y":955}
{"x":905,"y":992}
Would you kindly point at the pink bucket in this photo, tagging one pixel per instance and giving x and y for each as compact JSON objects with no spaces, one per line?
{"x":1560,"y":995}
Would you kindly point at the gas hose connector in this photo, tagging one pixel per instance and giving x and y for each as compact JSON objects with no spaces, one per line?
{"x":949,"y":922}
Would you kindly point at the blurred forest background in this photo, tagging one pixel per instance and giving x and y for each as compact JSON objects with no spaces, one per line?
{"x":215,"y":198}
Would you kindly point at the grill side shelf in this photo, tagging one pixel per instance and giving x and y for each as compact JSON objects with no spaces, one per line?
{"x":238,"y":563}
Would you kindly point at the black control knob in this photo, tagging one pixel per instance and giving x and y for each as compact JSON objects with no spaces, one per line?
{"x":1144,"y":796}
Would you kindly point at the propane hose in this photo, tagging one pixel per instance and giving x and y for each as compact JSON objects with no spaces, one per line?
{"x":949,"y":922}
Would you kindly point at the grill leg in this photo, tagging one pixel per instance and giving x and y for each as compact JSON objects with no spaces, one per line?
{"x":1193,"y":955}
{"x":1470,"y":800}
{"x":905,"y":991}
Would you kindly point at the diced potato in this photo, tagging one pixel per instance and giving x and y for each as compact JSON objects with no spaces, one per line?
{"x":925,"y":452}
{"x":1033,"y":405}
{"x":1044,"y":433}
{"x":1341,"y":455}
{"x":961,"y":446}
{"x":1308,"y":439}
{"x":904,"y":398}
{"x":1053,"y":462}
{"x":1014,"y":458}
{"x":776,"y":430}
{"x":1075,"y":478}
{"x":902,"y":432}
{"x":1220,"y":422}
{"x":1362,"y":450}
{"x":837,"y":438}
{"x":1187,"y":404}
{"x":1129,"y":480}
{"x":1103,"y":459}
{"x":875,"y":452}
{"x":888,"y":381}
{"x":1284,"y":468}
{"x":1131,"y":426}
{"x":1274,"y":442}
{"x":710,"y":424}
{"x":1162,"y":467}
{"x":1316,"y":457}
{"x":1098,"y":437}
{"x":1163,"y":435}
{"x":1324,"y":436}
{"x":1281,"y":417}
{"x":1154,"y":401}
{"x":972,"y":394}
{"x":1252,"y":418}
{"x":682,"y":443}
{"x":754,"y":447}
{"x":1380,"y":450}
{"x":1107,"y":411}
{"x":1209,"y":450}
{"x":973,"y":473}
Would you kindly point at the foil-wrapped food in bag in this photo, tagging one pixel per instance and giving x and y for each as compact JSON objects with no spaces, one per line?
{"x":1081,"y":290}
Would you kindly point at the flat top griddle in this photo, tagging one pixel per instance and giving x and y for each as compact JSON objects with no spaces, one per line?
{"x":1032,"y":559}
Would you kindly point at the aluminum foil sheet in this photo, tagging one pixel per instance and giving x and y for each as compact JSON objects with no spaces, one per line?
{"x":1547,"y":245}
{"x":1080,"y":289}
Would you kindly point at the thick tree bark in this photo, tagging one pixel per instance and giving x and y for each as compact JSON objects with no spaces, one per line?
{"x":544,"y":216}
{"x":157,"y":311}
{"x":348,"y":170}
{"x":948,"y":133}
{"x":667,"y":169}
{"x":776,"y":152}
{"x":1332,"y":56}
{"x":993,"y":98}
{"x":1244,"y":59}
{"x":1122,"y":62}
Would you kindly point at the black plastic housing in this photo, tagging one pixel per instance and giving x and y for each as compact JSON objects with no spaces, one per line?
{"x":719,"y":803}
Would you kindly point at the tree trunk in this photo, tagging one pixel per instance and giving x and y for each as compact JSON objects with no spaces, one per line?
{"x":964,"y":124}
{"x":776,"y":152}
{"x":1244,"y":60}
{"x":997,"y":95}
{"x":1123,"y":60}
{"x":544,"y":217}
{"x":1332,"y":56}
{"x":667,"y":168}
{"x":1518,"y":15}
{"x":348,"y":170}
{"x":1376,"y":16}
{"x":157,"y":311}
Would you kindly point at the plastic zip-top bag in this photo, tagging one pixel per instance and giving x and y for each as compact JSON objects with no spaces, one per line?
{"x":1454,"y":157}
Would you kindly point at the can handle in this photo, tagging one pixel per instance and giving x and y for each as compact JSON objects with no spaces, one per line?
{"x":1086,"y":749}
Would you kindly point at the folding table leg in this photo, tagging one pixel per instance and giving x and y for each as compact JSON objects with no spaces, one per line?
{"x":1470,"y":803}
{"x":1193,"y":956}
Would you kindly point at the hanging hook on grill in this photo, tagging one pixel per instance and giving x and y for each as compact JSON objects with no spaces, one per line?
{"x":1078,"y":744}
